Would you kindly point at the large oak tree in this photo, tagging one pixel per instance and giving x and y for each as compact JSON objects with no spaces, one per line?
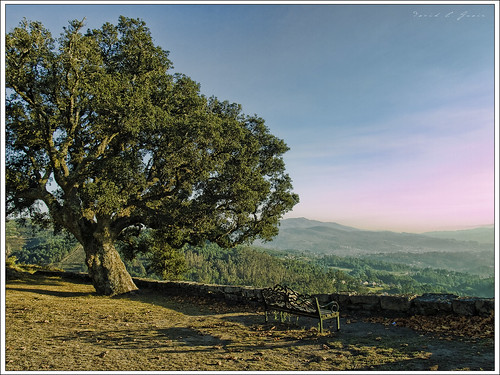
{"x":113,"y":144}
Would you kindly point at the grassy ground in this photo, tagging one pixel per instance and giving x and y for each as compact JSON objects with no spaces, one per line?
{"x":53,"y":324}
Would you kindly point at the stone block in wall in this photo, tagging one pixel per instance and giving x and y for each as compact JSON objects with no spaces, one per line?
{"x":433,"y":304}
{"x":175,"y":288}
{"x":188,"y":285}
{"x":485,"y":306}
{"x":199,"y":290}
{"x":180,"y":288}
{"x":168,"y":287}
{"x":232,"y":297}
{"x":396,"y":303}
{"x":365,"y":302}
{"x":250,"y":293}
{"x":464,"y":306}
{"x":215,"y":289}
{"x":147,"y":283}
{"x":341,"y":298}
{"x":232,"y":289}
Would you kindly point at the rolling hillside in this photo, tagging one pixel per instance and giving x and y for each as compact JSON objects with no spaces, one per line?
{"x":485,"y":234}
{"x":333,"y":238}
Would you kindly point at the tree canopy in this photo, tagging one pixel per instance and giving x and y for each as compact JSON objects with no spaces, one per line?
{"x":112,"y":143}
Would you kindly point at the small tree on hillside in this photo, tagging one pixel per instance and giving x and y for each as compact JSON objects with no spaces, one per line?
{"x":107,"y":143}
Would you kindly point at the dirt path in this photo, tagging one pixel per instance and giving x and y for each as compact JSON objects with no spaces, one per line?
{"x":52,"y":324}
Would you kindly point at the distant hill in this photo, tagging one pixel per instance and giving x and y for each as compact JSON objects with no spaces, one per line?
{"x":333,"y":238}
{"x":485,"y":234}
{"x":306,"y":223}
{"x":74,"y":261}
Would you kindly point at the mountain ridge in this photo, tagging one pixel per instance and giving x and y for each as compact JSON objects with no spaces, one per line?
{"x":482,"y":234}
{"x":334,"y":238}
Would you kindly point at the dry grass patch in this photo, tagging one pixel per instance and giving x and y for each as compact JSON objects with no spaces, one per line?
{"x":53,"y":324}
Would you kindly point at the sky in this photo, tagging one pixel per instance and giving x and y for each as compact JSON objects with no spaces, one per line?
{"x":388,"y":108}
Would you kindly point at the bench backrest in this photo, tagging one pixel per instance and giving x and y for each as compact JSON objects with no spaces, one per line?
{"x":285,"y":297}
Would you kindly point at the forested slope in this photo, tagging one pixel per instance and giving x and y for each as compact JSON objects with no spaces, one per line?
{"x":396,"y":273}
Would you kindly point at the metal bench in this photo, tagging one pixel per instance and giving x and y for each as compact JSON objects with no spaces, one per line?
{"x":283,"y":299}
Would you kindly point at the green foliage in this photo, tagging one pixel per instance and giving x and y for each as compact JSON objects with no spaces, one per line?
{"x":11,"y":262}
{"x":473,"y":262}
{"x":399,"y":278}
{"x":14,"y":239}
{"x":40,"y":246}
{"x":250,"y":266}
{"x":309,"y":273}
{"x":160,"y":258}
{"x":111,"y":143}
{"x":124,"y":139}
{"x":49,"y":251}
{"x":135,"y":268}
{"x":167,"y":262}
{"x":12,"y":269}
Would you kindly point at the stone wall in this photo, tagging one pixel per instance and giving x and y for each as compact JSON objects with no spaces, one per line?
{"x":426,"y":304}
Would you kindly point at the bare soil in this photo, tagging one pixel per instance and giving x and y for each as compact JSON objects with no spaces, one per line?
{"x":58,"y":325}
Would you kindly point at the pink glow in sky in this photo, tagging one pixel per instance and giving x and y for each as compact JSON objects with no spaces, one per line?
{"x":389,"y":116}
{"x":438,"y":179}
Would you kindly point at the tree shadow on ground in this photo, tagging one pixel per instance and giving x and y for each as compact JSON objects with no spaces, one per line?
{"x":187,"y":305}
{"x":34,"y":279}
{"x":183,"y":339}
{"x":54,"y":293}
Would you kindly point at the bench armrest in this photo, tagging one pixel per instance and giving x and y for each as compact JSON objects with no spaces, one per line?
{"x":332,"y":306}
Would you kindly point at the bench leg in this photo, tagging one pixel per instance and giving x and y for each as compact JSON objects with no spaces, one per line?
{"x":320,"y":325}
{"x":266,"y":316}
{"x":338,"y":323}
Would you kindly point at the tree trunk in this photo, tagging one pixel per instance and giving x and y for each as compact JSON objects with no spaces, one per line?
{"x":106,"y":269}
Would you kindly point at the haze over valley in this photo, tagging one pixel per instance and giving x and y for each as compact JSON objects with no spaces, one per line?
{"x":332,"y":238}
